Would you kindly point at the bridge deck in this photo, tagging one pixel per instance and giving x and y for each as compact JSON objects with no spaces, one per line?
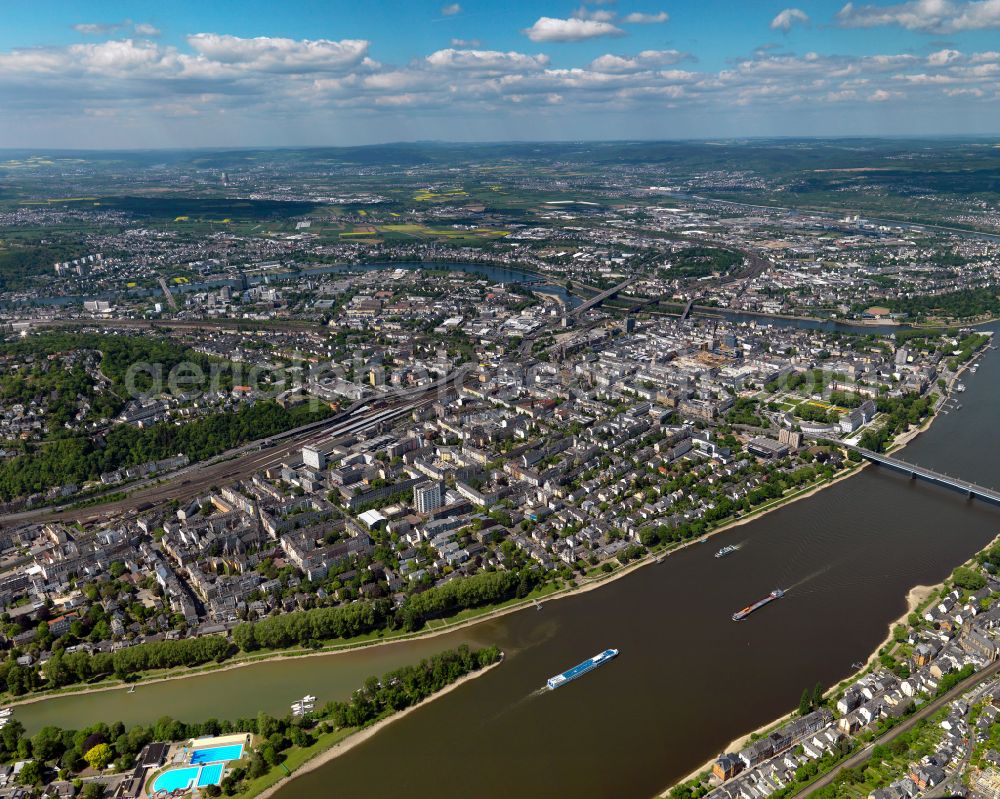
{"x":688,"y":307}
{"x":604,"y":295}
{"x":988,"y":494}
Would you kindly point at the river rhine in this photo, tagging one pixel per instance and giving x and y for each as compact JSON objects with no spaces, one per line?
{"x":688,"y":679}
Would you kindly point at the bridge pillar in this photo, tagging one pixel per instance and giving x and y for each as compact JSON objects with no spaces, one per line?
{"x":913,"y":475}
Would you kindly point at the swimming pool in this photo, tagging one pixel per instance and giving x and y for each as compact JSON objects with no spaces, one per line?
{"x":176,"y":779}
{"x":216,"y":754}
{"x":210,"y":775}
{"x":188,"y":777}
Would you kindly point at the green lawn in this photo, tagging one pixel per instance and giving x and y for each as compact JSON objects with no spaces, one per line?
{"x":295,"y":757}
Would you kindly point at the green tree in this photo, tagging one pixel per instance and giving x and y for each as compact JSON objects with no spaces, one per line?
{"x":47,"y":743}
{"x":92,"y":790}
{"x":805,"y":703}
{"x":817,"y":697}
{"x":966,"y":578}
{"x":258,"y":767}
{"x":31,"y":774}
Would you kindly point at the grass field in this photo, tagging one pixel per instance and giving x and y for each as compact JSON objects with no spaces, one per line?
{"x":295,"y":758}
{"x":426,"y":195}
{"x":427,"y":231}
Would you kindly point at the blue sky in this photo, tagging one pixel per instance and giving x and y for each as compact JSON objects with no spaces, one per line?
{"x":302,"y":72}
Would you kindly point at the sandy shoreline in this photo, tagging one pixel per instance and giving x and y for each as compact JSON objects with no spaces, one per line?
{"x":362,"y":735}
{"x":914,"y":599}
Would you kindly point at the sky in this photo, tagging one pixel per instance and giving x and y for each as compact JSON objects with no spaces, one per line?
{"x":220,"y":73}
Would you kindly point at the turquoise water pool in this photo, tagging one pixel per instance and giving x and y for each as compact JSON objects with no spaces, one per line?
{"x":176,"y":779}
{"x":188,"y":777}
{"x":210,"y":775}
{"x":216,"y":754}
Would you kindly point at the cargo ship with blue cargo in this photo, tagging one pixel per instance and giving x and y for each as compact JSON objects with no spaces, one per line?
{"x":581,"y":669}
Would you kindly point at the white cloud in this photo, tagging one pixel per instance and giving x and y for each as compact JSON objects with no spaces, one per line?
{"x":450,"y":10}
{"x":550,"y":29}
{"x":942,"y":57}
{"x":599,"y":14}
{"x":787,"y":18}
{"x":108,"y":28}
{"x":639,"y":18}
{"x":647,"y":59}
{"x":929,"y":16}
{"x":396,"y":81}
{"x":115,"y":56}
{"x":489,"y":60}
{"x":97,"y":28}
{"x":923,"y":79}
{"x":977,"y":72}
{"x":270,"y":54}
{"x":139,"y":81}
{"x":465,"y":42}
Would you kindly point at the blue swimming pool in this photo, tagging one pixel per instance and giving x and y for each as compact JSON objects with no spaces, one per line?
{"x":216,"y":754}
{"x":210,"y":775}
{"x":176,"y":779}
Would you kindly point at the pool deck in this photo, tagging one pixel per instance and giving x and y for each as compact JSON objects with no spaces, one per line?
{"x":220,"y":740}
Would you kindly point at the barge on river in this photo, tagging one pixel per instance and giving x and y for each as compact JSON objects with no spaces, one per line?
{"x":579,"y":670}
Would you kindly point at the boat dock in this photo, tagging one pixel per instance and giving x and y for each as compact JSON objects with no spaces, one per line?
{"x":305,"y":705}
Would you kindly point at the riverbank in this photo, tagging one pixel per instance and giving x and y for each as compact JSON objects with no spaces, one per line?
{"x":463,"y":620}
{"x":356,"y":739}
{"x":916,"y":597}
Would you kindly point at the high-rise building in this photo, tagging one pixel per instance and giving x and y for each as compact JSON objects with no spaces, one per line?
{"x":314,"y":458}
{"x":427,"y":496}
{"x":791,"y":437}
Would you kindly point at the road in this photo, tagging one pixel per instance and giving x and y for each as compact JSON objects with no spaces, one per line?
{"x":929,"y":709}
